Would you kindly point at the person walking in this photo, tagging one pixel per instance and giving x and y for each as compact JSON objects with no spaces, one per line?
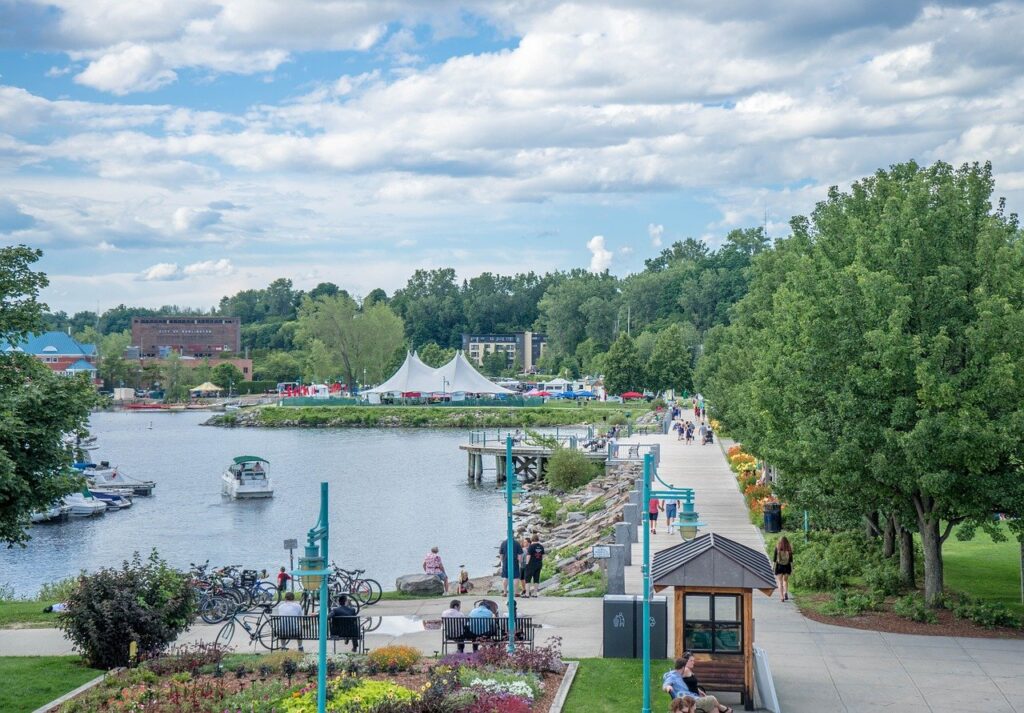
{"x":783,"y":558}
{"x":534,"y":564}
{"x":282,"y":582}
{"x":654,"y":506}
{"x":670,"y":514}
{"x":432,"y":564}
{"x":517,"y":552}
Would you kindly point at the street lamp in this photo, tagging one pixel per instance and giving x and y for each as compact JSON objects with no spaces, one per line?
{"x":670,"y":493}
{"x":314,"y":573}
{"x":444,"y":384}
{"x":511,"y":490}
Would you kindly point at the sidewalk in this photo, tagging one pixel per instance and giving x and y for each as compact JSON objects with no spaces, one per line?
{"x":820,"y":668}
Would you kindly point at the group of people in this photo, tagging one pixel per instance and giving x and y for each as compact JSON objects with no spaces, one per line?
{"x":343,"y":624}
{"x":479,"y":621}
{"x":527,"y":563}
{"x":684,"y":689}
{"x":669,"y":507}
{"x":432,"y":564}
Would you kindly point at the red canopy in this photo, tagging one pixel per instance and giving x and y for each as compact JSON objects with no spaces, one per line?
{"x":632,"y":395}
{"x":411,"y":394}
{"x":543,"y":393}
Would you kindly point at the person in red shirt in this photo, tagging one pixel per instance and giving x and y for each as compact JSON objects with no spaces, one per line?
{"x":282,"y":582}
{"x":653,"y":508}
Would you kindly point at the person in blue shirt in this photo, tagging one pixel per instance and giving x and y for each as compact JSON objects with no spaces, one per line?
{"x":481,"y":620}
{"x":674,"y":683}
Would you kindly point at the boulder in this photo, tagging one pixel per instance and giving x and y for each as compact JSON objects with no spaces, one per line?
{"x":426,"y":584}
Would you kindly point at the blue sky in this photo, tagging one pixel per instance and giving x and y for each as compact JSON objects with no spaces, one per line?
{"x":173,"y":151}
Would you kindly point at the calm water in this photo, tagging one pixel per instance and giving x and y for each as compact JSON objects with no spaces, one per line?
{"x":393,"y":494}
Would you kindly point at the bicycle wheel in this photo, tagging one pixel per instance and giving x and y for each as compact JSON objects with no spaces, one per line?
{"x":265,"y":636}
{"x":264,"y":593}
{"x":226,"y":633}
{"x":371,"y":624}
{"x":375,"y":590}
{"x":212,"y":610}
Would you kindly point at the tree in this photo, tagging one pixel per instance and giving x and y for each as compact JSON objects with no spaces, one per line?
{"x":431,"y":305}
{"x":227,"y":374}
{"x":320,"y":365}
{"x":38,"y":406}
{"x":669,"y":365}
{"x":580,"y":305}
{"x":433,"y":355}
{"x":278,"y":367}
{"x":494,"y":363}
{"x":357,"y":339}
{"x":622,"y":370}
{"x":175,"y":378}
{"x":324,"y":289}
{"x":113,"y":368}
{"x":883,"y":365}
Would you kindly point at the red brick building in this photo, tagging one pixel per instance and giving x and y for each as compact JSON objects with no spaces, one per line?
{"x":187,"y":335}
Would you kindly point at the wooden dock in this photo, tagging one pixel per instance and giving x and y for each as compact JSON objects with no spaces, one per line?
{"x":528,"y":461}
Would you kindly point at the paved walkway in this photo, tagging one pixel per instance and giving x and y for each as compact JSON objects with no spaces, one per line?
{"x":817,"y":668}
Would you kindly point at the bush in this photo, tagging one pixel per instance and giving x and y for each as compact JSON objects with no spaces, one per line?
{"x":569,"y":469}
{"x":913,"y":607}
{"x":349,"y":695}
{"x":883,"y":579}
{"x":526,"y":685}
{"x":549,"y":507}
{"x":846,"y":603}
{"x":189,"y":658}
{"x":400,"y":658}
{"x":58,"y":591}
{"x":617,"y":419}
{"x":987,"y":615}
{"x":146,"y":602}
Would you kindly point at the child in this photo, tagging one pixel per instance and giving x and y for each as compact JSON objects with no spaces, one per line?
{"x":465,"y":586}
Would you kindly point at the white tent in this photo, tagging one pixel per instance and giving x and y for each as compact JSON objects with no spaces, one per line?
{"x":461,"y":376}
{"x":457,"y":376}
{"x":412,"y":375}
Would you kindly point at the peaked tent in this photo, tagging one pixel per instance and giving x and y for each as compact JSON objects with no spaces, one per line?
{"x":413,"y":375}
{"x":459,"y":375}
{"x":206,"y":388}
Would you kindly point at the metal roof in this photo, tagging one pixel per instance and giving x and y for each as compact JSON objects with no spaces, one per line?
{"x":713,"y":560}
{"x":50,"y":343}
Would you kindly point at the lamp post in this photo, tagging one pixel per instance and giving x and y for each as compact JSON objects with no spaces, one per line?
{"x":511,"y":489}
{"x":314,"y":573}
{"x":669,"y":492}
{"x":444,"y":385}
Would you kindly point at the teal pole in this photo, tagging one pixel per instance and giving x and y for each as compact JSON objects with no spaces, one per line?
{"x":510,"y":549}
{"x":321,"y":679}
{"x":646,"y":570}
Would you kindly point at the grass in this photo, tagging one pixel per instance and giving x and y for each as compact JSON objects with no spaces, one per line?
{"x":25,"y":613}
{"x":614,"y":685}
{"x":985,"y":569}
{"x":401,"y":596}
{"x":32,"y":681}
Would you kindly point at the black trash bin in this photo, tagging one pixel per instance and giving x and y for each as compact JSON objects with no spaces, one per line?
{"x":658,"y":624}
{"x":619,"y":621}
{"x":772,"y":517}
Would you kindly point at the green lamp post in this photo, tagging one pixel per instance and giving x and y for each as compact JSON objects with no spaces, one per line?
{"x":314,"y":573}
{"x":511,"y":490}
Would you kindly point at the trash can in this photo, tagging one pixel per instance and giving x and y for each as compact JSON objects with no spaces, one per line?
{"x":619,"y":619}
{"x":773,"y":517}
{"x":658,"y":624}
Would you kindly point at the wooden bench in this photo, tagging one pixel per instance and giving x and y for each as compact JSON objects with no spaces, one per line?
{"x":462,"y":630}
{"x":723,"y":673}
{"x":307,"y":628}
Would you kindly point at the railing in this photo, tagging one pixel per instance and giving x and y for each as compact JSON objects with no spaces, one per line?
{"x":634,"y":451}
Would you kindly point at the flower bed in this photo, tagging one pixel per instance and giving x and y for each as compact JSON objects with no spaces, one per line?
{"x":395,"y":680}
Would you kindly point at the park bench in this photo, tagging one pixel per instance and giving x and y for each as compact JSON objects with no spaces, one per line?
{"x":455,"y":630}
{"x":307,"y":628}
{"x":722,"y":674}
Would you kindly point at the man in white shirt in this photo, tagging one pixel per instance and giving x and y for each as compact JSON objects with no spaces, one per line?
{"x":454,"y":611}
{"x":288,"y":630}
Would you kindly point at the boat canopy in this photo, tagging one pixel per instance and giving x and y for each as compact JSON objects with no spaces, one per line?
{"x":250,"y":459}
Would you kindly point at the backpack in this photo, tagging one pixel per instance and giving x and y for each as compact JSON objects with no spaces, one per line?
{"x":782,"y":557}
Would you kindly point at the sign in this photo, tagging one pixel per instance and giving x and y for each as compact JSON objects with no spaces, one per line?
{"x":291,"y":544}
{"x":601,"y":552}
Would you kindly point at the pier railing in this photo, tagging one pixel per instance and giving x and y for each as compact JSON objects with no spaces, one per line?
{"x":634,"y":451}
{"x":568,"y":438}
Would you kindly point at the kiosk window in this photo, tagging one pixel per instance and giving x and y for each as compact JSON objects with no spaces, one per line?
{"x":713,"y":623}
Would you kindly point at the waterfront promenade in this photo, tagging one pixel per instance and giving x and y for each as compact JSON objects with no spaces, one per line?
{"x":816,"y":667}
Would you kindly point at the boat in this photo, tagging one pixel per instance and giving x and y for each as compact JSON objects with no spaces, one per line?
{"x":83,"y":504}
{"x":247,"y":477}
{"x":55,"y":513}
{"x":103,"y":477}
{"x":114,"y":499}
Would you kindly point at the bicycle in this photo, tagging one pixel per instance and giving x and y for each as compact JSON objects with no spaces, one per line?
{"x":367,"y":591}
{"x":257,"y":625}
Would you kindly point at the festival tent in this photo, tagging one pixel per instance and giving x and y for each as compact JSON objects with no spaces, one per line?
{"x":412,"y":375}
{"x":458,"y":375}
{"x":632,"y":395}
{"x":558,"y":384}
{"x":206,"y":388}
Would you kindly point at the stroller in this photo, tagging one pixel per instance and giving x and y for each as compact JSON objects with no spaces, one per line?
{"x":709,"y":436}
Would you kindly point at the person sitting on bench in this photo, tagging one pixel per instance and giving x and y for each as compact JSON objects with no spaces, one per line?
{"x":680,"y":682}
{"x":344,"y":623}
{"x":454,"y":611}
{"x":290,"y":629}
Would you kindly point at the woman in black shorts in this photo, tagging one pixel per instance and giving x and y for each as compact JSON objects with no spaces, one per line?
{"x":534,"y":564}
{"x":783,"y":558}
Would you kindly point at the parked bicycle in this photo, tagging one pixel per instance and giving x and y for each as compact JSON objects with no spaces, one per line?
{"x":255,"y":623}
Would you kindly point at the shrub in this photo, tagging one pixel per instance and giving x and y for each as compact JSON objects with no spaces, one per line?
{"x":499,"y":703}
{"x":541,"y":659}
{"x":594,"y":507}
{"x":987,"y":615}
{"x":526,"y":685}
{"x":400,"y":658}
{"x":549,"y":507}
{"x":914,"y":608}
{"x":147,"y":602}
{"x":733,"y":450}
{"x":344,"y":697}
{"x":617,"y":419}
{"x":569,"y":469}
{"x":846,"y":603}
{"x":883,"y":579}
{"x":58,"y":591}
{"x":189,"y":658}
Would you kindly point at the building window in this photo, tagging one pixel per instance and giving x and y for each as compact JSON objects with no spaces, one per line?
{"x":713,"y":623}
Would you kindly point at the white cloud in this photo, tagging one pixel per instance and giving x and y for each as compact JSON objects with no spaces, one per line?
{"x":626,"y":250}
{"x":105,"y":247}
{"x":191,"y":219}
{"x":655,"y":232}
{"x":600,"y":256}
{"x":406,"y":243}
{"x":127,"y":68}
{"x":219,"y":268}
{"x":161,"y":272}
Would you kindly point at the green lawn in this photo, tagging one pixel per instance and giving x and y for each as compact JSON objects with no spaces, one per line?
{"x":985,"y":569}
{"x":614,"y":685}
{"x":25,"y":613}
{"x":32,"y":681}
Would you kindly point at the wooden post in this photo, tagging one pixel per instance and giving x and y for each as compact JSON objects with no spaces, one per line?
{"x":479,"y":467}
{"x":500,"y":466}
{"x":748,"y":649}
{"x":679,"y":620}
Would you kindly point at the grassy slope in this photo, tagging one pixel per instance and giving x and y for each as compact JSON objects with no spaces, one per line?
{"x":614,"y":685}
{"x":25,"y":613}
{"x":986,"y":569}
{"x":32,"y":681}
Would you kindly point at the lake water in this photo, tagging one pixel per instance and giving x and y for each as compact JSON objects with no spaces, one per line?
{"x":393,"y":494}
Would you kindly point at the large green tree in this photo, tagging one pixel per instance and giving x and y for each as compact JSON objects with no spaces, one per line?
{"x":622,"y":369}
{"x":37,"y":407}
{"x":669,"y":365}
{"x":884,"y":365}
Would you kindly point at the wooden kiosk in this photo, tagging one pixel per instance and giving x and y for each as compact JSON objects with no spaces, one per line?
{"x":713,"y":579}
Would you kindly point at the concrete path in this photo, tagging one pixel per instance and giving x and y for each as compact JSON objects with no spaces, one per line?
{"x":820,"y":668}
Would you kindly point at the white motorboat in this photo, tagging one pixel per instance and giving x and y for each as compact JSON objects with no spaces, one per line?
{"x":83,"y":504}
{"x":55,"y":513}
{"x":247,"y":477}
{"x":103,"y":477}
{"x":114,"y":499}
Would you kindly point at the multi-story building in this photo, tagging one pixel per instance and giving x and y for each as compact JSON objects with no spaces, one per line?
{"x":59,"y":352}
{"x":526,"y":348}
{"x":156,"y":337}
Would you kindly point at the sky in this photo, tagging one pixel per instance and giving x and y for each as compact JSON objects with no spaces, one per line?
{"x":175,"y":151}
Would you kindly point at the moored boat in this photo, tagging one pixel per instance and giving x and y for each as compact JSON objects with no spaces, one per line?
{"x":103,"y":477}
{"x":55,"y":513}
{"x":113,"y":499}
{"x":247,"y":477}
{"x":83,"y":504}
